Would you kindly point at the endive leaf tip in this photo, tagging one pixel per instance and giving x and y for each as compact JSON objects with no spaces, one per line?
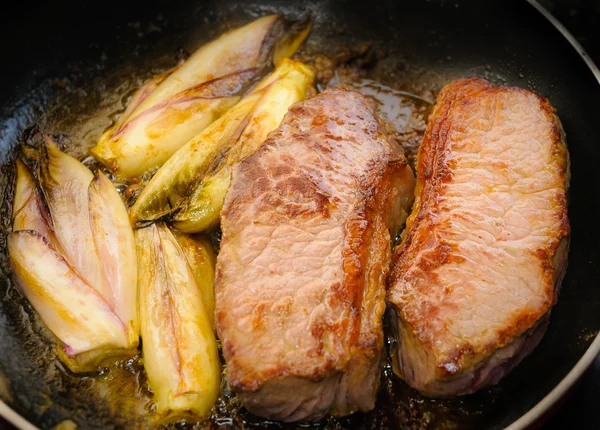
{"x":94,"y":151}
{"x":21,"y":166}
{"x":303,"y":23}
{"x":295,"y":33}
{"x":49,"y":142}
{"x":271,"y":17}
{"x":99,"y":181}
{"x":138,"y":223}
{"x":100,"y":177}
{"x":23,"y":173}
{"x":49,"y":149}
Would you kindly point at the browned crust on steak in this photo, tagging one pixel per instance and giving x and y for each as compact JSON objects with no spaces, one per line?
{"x":454,"y":122}
{"x":327,"y":178}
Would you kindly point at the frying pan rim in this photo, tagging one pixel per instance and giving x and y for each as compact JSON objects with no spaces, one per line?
{"x":14,"y":418}
{"x":584,"y":363}
{"x":558,"y":392}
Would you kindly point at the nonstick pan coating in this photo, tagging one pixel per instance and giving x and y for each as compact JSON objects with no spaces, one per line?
{"x":67,"y":66}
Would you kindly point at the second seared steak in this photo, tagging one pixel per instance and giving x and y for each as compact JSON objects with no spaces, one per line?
{"x":305,"y":252}
{"x":485,"y":247}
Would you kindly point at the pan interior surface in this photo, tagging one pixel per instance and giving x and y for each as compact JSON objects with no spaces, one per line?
{"x":69,"y":69}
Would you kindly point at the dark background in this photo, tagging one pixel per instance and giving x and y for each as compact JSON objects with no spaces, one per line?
{"x":580,"y":409}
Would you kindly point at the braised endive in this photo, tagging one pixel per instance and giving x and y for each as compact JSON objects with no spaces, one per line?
{"x":202,"y":260}
{"x":179,"y":347}
{"x":237,"y":133}
{"x":75,"y":259}
{"x":176,"y":106}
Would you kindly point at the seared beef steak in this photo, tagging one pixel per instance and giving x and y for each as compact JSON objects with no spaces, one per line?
{"x":305,"y":253}
{"x":485,"y":247}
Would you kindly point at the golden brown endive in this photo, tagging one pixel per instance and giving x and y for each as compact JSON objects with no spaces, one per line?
{"x":236,"y":134}
{"x":179,"y":347}
{"x":174,"y":107}
{"x":75,"y":259}
{"x":202,"y":259}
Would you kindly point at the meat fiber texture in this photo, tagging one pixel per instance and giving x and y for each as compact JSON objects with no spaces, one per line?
{"x":305,"y":252}
{"x":485,"y":248}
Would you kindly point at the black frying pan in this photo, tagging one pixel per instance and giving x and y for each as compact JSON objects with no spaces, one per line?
{"x":66,"y":67}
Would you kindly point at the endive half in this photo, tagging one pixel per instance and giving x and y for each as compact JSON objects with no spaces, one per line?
{"x":246,"y":125}
{"x":75,"y":259}
{"x":178,"y":105}
{"x":179,"y":348}
{"x":69,"y":307}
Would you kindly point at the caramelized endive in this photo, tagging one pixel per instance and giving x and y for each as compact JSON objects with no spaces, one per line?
{"x":179,"y":347}
{"x":202,"y":260}
{"x":174,"y":107}
{"x":73,"y":253}
{"x":240,"y":131}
